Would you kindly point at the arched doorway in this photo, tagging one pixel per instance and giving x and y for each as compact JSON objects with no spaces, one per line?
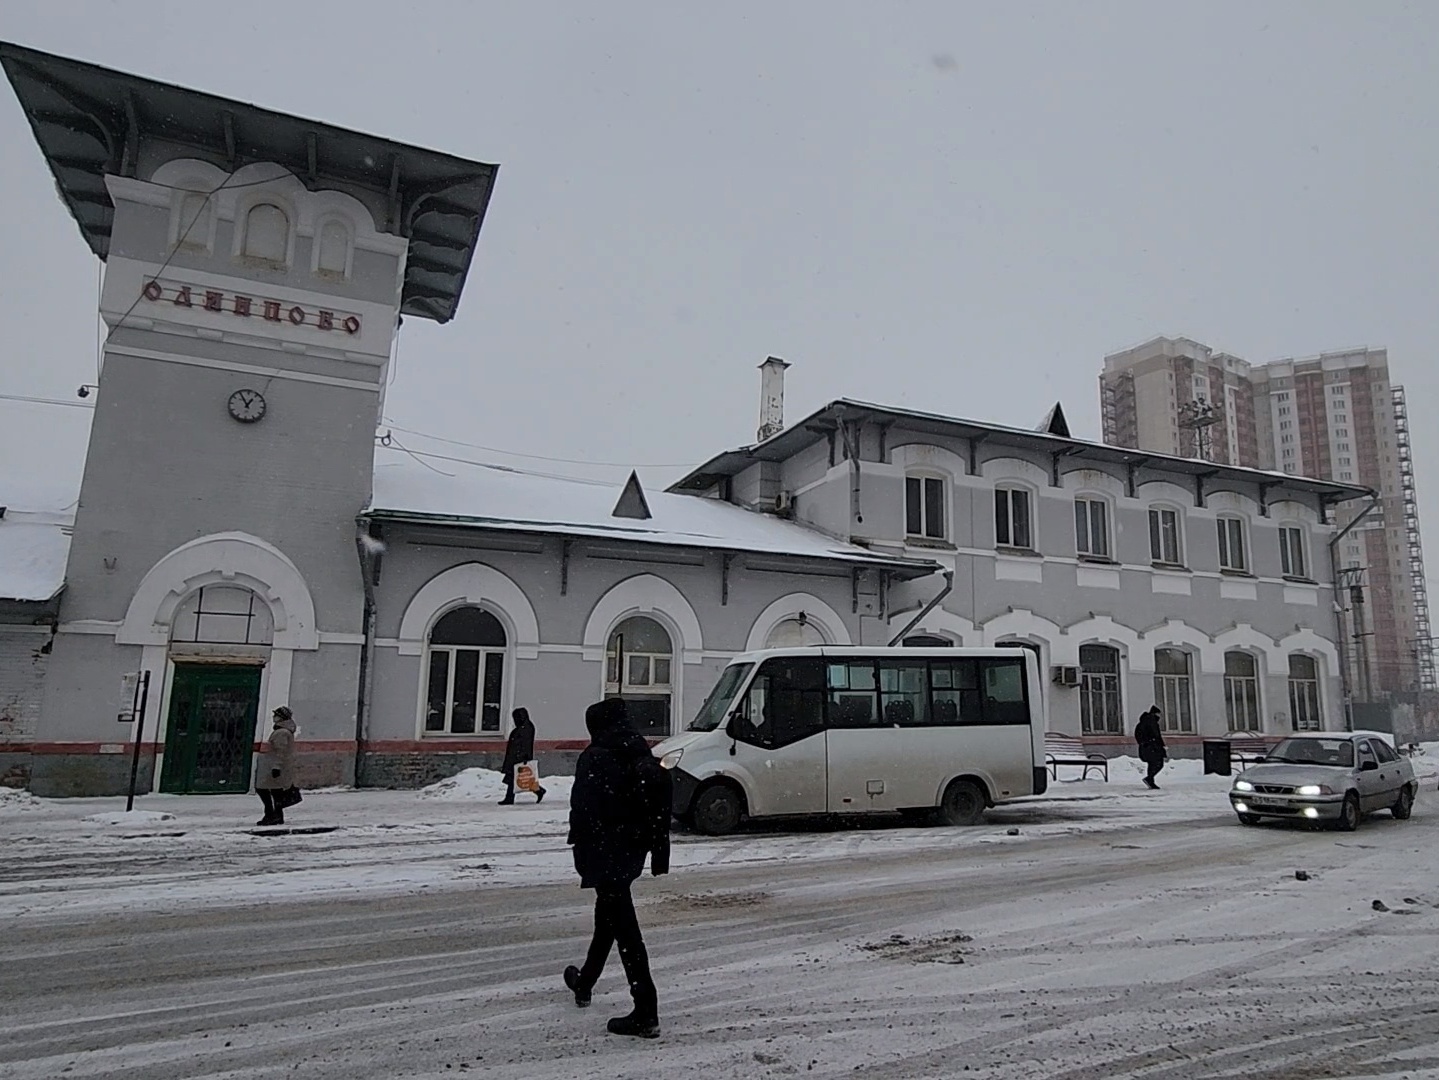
{"x":465,"y":673}
{"x":220,"y":640}
{"x":639,"y":667}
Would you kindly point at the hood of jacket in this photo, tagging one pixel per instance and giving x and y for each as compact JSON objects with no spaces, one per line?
{"x":285,"y":723}
{"x":609,"y":727}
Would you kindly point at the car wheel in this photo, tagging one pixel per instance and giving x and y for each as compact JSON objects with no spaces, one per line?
{"x":1249,"y":819}
{"x":1404,"y":805}
{"x":1349,"y":813}
{"x":718,"y":810}
{"x":963,"y":803}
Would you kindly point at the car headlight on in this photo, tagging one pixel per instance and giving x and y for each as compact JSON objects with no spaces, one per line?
{"x":1243,"y":785}
{"x":670,"y":760}
{"x":1314,"y":789}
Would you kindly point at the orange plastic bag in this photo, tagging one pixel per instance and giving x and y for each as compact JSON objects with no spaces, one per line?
{"x":527,"y":776}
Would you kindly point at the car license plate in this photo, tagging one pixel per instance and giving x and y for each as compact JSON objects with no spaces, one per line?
{"x":1265,"y":802}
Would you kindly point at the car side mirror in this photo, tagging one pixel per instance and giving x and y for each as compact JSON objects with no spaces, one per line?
{"x":1369,"y":766}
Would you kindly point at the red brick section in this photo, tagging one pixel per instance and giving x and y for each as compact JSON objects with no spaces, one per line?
{"x":1312,"y":423}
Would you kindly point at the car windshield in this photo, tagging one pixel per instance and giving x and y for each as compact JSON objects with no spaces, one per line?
{"x":712,"y":712}
{"x":1336,"y":752}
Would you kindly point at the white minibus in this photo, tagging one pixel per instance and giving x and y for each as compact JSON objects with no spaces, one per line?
{"x":848,"y":730}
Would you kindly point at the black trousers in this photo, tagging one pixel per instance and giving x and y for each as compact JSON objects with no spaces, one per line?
{"x":271,"y":798}
{"x":1155,"y":764}
{"x":616,"y":924}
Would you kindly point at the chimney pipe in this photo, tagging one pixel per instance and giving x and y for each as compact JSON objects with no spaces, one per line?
{"x":771,"y":398}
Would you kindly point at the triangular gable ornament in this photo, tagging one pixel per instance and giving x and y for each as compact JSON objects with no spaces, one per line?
{"x":632,"y":502}
{"x":1054,"y":422}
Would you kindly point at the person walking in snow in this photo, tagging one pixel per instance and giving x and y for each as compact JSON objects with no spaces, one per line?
{"x":519,"y":749}
{"x":619,"y":813}
{"x":1151,"y":745}
{"x":275,"y":770}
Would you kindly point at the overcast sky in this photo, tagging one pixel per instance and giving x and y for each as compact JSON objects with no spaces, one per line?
{"x":954,"y":206}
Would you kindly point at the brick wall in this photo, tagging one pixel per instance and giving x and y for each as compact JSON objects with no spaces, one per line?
{"x":22,"y":680}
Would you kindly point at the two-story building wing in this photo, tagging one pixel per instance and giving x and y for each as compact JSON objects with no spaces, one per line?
{"x":1138,"y":579}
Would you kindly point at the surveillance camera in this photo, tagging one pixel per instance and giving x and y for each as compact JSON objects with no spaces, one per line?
{"x":83,"y":392}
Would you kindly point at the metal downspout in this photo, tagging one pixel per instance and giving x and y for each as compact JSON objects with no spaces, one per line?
{"x":365,"y":692}
{"x":948,"y":585}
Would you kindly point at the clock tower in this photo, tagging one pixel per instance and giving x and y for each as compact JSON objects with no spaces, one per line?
{"x":257,"y":270}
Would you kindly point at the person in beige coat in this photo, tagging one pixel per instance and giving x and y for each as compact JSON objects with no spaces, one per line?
{"x":275,"y":770}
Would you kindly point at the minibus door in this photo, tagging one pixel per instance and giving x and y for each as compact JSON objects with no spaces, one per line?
{"x":779,"y":737}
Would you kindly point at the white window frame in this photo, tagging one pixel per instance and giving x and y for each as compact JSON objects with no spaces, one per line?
{"x":1156,"y":513}
{"x":1174,"y":695}
{"x":1237,"y":713}
{"x":1306,"y":703}
{"x":946,"y":486}
{"x":1010,"y":491}
{"x":1294,"y":548}
{"x":1226,"y":525}
{"x":1086,"y":509}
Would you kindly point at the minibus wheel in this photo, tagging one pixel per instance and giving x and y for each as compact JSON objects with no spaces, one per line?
{"x":718,"y":810}
{"x":963,"y":803}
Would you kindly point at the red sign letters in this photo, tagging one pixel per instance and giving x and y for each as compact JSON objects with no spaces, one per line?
{"x":245,"y":307}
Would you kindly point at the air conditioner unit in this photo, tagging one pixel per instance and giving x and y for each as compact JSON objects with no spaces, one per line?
{"x":784,"y":502}
{"x":1065,"y":675}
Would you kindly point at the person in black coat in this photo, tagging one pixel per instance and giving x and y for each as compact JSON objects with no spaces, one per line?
{"x":519,"y":749}
{"x":620,"y":809}
{"x":1151,"y":745}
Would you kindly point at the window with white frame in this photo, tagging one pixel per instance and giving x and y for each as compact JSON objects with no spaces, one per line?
{"x":1292,"y":553}
{"x":222,"y":615}
{"x":639,"y":667}
{"x":1091,"y":528}
{"x":924,"y":507}
{"x":465,"y":673}
{"x":1241,"y":691}
{"x":1304,"y":693}
{"x":1174,"y":690}
{"x":1012,"y":519}
{"x":1101,"y":706}
{"x":1232,"y":554}
{"x":1164,"y":536}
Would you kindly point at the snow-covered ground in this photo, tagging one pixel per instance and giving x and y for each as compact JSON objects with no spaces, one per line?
{"x":1102,"y":930}
{"x":89,"y":855}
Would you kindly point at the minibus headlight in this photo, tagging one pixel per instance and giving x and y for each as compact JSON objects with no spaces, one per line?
{"x":670,"y":760}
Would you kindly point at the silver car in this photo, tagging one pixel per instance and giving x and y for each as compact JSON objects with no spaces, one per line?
{"x":1336,"y":776}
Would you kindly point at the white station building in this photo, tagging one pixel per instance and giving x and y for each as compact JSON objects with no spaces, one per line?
{"x":241,"y":541}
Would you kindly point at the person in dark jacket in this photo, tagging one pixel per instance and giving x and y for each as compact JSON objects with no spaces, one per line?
{"x":619,"y":814}
{"x":520,"y":749}
{"x":1151,"y":745}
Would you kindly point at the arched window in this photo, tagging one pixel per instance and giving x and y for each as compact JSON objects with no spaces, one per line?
{"x":1101,"y":704}
{"x":639,"y":667}
{"x":333,"y":256}
{"x":267,"y":233}
{"x":1241,"y":691}
{"x":465,"y":668}
{"x":1304,"y":693}
{"x":926,"y":641}
{"x":223,"y":615}
{"x":1174,"y":690}
{"x":794,"y":633}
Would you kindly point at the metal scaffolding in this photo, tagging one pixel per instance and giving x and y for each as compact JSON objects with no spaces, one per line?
{"x":1423,"y":643}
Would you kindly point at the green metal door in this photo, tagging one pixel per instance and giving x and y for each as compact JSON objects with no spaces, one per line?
{"x":211,"y":733}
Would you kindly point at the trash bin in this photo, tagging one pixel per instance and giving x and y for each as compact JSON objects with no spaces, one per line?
{"x":1216,"y":757}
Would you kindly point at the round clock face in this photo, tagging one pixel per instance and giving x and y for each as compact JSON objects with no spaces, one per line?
{"x":247,"y":406}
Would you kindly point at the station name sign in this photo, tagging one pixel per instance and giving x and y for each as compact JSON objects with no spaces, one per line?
{"x":249,"y":307}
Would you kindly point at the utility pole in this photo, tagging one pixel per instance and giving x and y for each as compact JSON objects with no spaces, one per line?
{"x":1199,"y":416}
{"x":1351,"y":579}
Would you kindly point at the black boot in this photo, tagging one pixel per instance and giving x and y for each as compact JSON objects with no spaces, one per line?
{"x":507,"y":802}
{"x":582,"y":992}
{"x":639,"y":1025}
{"x":540,"y":795}
{"x":266,"y":820}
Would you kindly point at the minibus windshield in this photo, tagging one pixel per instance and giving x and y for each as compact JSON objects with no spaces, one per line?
{"x":716,"y":706}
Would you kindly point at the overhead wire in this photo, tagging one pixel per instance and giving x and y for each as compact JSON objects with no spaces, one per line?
{"x":543,"y":457}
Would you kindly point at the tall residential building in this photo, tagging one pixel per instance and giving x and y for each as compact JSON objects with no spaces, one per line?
{"x":1335,"y":416}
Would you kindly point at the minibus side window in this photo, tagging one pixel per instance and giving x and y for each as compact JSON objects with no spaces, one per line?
{"x":785,"y":703}
{"x":1005,"y":701}
{"x":954,"y":689}
{"x":903,"y":693}
{"x":853,"y":694}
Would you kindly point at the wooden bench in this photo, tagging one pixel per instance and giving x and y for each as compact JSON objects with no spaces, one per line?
{"x":1247,"y":750}
{"x":1067,"y":750}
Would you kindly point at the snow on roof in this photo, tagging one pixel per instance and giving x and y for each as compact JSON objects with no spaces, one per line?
{"x":495,"y":497}
{"x":34,"y":543}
